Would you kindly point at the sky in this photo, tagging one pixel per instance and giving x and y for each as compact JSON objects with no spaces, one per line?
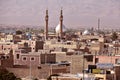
{"x":77,"y":13}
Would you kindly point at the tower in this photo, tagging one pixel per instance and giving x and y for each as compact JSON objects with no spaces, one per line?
{"x":98,"y":24}
{"x":61,"y":23}
{"x":46,"y":26}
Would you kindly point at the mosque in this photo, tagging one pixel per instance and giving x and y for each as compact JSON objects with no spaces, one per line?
{"x":59,"y":29}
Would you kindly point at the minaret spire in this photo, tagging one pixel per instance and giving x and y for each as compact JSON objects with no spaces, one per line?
{"x":61,"y":22}
{"x":46,"y":27}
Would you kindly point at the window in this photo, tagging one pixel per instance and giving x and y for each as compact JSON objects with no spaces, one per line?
{"x":117,"y":61}
{"x":24,"y":58}
{"x":18,"y":56}
{"x":7,"y":57}
{"x":32,"y":58}
{"x":96,"y":60}
{"x":89,"y":58}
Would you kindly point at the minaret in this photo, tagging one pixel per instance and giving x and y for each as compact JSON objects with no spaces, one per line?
{"x":61,"y":23}
{"x":46,"y":27}
{"x":98,"y":24}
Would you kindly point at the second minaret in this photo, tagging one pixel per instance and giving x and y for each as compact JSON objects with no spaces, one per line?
{"x":61,"y":23}
{"x":46,"y":27}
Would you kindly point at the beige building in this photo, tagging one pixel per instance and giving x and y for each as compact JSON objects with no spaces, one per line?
{"x":76,"y":61}
{"x":54,"y":43}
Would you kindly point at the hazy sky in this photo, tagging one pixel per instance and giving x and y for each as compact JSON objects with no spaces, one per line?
{"x":76,"y":12}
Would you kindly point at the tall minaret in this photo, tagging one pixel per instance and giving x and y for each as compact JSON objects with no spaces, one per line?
{"x":98,"y":24}
{"x":46,"y":27}
{"x":61,"y":23}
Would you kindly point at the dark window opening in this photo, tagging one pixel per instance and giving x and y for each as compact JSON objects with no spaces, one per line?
{"x":18,"y":56}
{"x":32,"y":58}
{"x":24,"y":58}
{"x":96,"y":60}
{"x":89,"y":58}
{"x":39,"y":67}
{"x":7,"y":57}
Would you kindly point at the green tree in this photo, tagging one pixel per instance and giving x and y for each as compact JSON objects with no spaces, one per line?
{"x":18,"y":32}
{"x":114,"y":36}
{"x":9,"y":76}
{"x":2,"y":73}
{"x":6,"y":75}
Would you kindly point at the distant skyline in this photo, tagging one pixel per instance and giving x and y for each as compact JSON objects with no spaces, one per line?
{"x":76,"y":12}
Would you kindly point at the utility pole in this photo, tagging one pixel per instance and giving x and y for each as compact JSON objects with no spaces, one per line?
{"x":83,"y":66}
{"x":30,"y":71}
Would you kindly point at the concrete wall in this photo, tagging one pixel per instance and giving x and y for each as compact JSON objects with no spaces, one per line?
{"x":25,"y":72}
{"x":107,"y":59}
{"x":43,"y":72}
{"x":76,"y":62}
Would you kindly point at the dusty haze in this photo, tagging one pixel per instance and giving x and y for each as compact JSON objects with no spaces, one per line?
{"x":76,"y":12}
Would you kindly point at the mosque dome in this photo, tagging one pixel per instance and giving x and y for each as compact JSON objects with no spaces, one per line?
{"x":86,"y":32}
{"x":28,"y":35}
{"x":57,"y":29}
